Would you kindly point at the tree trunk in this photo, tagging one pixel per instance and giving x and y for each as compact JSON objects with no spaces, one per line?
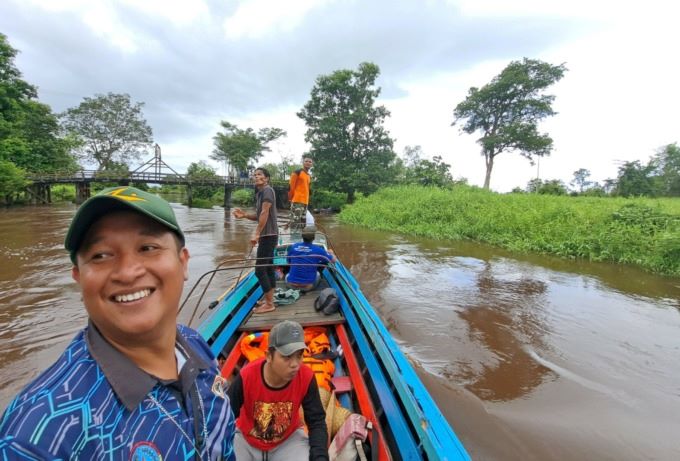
{"x":350,"y":196}
{"x":488,"y":156}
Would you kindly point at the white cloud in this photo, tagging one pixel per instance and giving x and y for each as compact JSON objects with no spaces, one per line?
{"x":179,"y":12}
{"x":257,"y":18}
{"x":104,"y":22}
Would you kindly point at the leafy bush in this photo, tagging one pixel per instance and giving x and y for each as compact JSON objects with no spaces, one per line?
{"x":244,"y":197}
{"x":64,"y":193}
{"x":325,"y":199}
{"x":201,"y":203}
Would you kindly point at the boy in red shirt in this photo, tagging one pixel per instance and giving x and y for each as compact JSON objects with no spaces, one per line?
{"x":266,"y":398}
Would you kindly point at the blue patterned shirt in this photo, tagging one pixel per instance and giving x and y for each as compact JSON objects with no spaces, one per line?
{"x":95,"y":403}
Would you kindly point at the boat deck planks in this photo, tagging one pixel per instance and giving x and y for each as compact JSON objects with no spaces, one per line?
{"x":301,"y":311}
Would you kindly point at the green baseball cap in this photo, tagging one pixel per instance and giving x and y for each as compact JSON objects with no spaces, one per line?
{"x":116,"y":199}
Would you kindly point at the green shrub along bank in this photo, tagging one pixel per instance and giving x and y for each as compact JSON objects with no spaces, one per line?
{"x":640,"y":231}
{"x":243,"y":197}
{"x":325,"y":199}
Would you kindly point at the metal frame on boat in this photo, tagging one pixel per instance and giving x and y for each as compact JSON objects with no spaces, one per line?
{"x":407,"y":424}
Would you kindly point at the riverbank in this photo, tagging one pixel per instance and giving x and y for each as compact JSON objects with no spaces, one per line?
{"x":640,"y":231}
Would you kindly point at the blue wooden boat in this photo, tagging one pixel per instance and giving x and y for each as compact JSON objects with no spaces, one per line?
{"x":407,"y":424}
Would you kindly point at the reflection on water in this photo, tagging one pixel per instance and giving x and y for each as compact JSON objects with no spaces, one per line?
{"x":529,"y":357}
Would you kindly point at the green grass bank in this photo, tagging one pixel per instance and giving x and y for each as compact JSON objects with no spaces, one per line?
{"x":640,"y":231}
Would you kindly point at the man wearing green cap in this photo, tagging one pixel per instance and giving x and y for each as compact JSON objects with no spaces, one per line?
{"x":133,"y":384}
{"x":266,"y":397}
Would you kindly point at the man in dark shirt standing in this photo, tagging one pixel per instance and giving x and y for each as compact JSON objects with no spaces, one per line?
{"x":266,"y":237}
{"x":266,"y":398}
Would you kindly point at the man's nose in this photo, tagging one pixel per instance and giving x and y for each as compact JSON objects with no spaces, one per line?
{"x":129,"y":267}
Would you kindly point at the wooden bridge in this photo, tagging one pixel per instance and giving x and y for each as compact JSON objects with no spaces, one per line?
{"x":154,"y":171}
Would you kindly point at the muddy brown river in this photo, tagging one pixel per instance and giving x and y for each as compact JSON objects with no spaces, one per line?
{"x":528,"y":357}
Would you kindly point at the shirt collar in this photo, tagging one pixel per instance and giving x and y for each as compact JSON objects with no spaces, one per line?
{"x":130,"y":383}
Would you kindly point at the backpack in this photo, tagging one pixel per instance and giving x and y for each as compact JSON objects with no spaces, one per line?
{"x":327,"y":301}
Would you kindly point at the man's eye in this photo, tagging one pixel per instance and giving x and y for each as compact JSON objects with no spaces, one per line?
{"x":149,"y":247}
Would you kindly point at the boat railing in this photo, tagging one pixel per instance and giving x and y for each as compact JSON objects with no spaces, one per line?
{"x":244,"y":267}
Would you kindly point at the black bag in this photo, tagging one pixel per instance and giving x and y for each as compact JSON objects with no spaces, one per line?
{"x":327,"y":301}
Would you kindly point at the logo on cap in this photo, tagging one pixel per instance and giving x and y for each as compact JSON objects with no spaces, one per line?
{"x":118,"y":193}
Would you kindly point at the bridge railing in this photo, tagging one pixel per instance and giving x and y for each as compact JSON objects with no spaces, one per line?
{"x":80,"y":176}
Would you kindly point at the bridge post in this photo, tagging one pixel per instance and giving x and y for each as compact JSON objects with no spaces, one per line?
{"x":82,"y":192}
{"x":189,"y":195}
{"x":227,"y":196}
{"x":282,"y":197}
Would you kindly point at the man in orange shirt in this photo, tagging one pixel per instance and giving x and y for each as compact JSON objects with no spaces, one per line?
{"x":298,"y":194}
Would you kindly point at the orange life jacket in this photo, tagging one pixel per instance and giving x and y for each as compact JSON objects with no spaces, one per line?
{"x":317,"y":342}
{"x":254,"y":346}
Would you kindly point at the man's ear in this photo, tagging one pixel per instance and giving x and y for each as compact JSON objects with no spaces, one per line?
{"x":184,"y":258}
{"x":75,"y":273}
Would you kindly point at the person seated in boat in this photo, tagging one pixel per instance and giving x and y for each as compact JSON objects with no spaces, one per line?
{"x":133,"y":384}
{"x":266,"y":398}
{"x":304,"y":259}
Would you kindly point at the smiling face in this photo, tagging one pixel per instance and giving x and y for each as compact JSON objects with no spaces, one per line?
{"x":131,"y":274}
{"x":307,"y":163}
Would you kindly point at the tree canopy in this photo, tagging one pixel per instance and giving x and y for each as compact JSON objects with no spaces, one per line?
{"x":507,"y":110}
{"x":351,"y":149}
{"x":419,"y":170}
{"x":239,"y":147}
{"x":581,"y":179}
{"x":635,"y":179}
{"x":667,"y":166}
{"x":29,"y":131}
{"x":198,"y":172}
{"x":549,"y":187}
{"x":111,"y":129}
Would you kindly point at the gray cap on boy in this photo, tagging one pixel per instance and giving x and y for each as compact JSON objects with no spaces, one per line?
{"x":287,"y":337}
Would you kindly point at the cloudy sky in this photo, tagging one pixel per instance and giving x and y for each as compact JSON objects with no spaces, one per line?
{"x":254,"y":62}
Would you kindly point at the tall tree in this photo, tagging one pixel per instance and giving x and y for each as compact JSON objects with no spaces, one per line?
{"x":581,"y":179}
{"x":111,"y":127}
{"x":29,"y":132}
{"x":507,"y":110}
{"x":12,"y":180}
{"x":667,"y":164}
{"x":351,"y":149}
{"x":635,"y":179}
{"x":239,"y":147}
{"x":199,"y":172}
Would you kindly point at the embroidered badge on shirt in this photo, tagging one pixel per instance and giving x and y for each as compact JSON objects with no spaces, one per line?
{"x":219,"y":386}
{"x":145,"y":451}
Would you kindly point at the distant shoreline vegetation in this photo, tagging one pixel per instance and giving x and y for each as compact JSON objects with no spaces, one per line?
{"x":638,"y":231}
